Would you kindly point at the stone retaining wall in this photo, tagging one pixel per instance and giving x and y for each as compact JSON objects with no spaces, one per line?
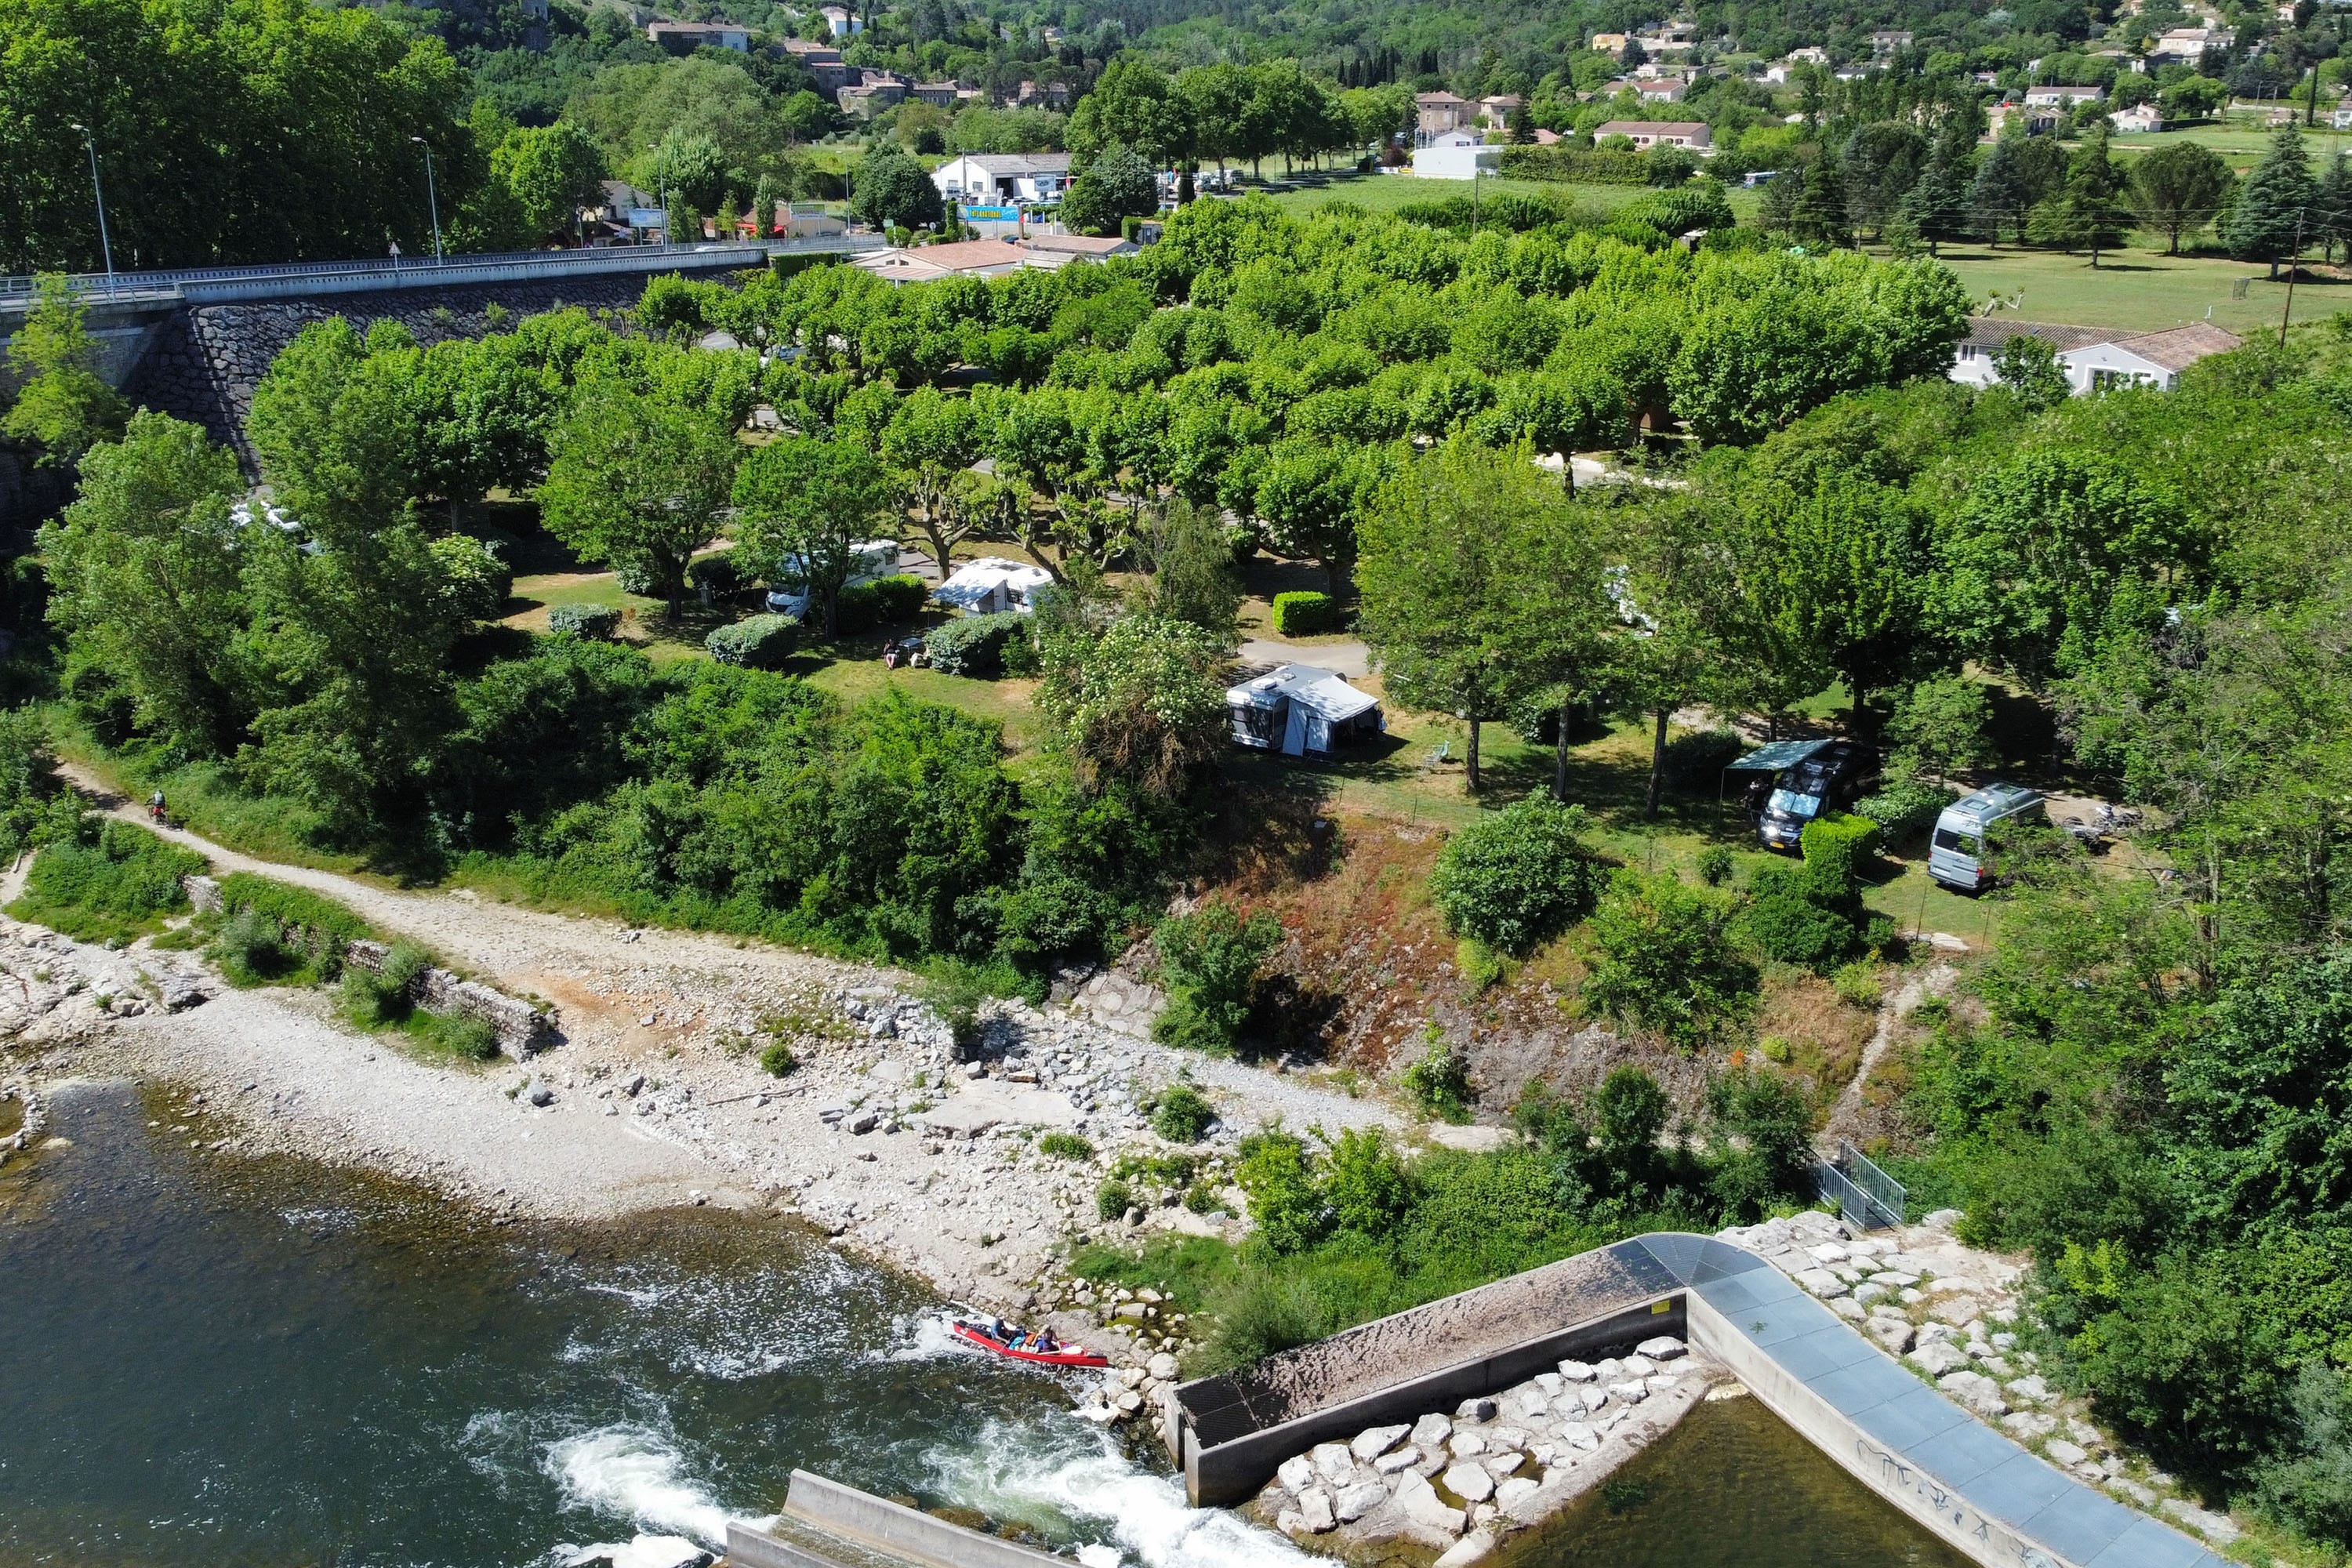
{"x":522,"y":1028}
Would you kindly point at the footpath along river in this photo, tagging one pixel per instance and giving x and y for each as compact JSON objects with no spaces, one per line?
{"x":230,"y":1362}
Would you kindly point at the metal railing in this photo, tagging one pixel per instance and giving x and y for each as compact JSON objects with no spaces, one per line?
{"x":1866,"y":1196}
{"x":164,"y":284}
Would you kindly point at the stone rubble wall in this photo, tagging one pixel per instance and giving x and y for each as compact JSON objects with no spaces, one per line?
{"x":522,"y":1028}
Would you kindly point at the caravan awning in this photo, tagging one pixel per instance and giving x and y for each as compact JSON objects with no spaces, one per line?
{"x":1780,"y":754}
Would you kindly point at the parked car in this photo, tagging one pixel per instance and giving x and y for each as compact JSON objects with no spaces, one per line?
{"x":1958,"y":855}
{"x":1830,"y":778}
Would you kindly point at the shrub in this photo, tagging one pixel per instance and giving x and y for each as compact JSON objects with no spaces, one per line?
{"x":593,"y":621}
{"x":1278,"y":1174}
{"x":1209,"y":961}
{"x":1303,"y":614}
{"x":458,"y":1034}
{"x":474,"y":578}
{"x":1662,"y":959}
{"x":1716,"y":864}
{"x":1066,"y":1146}
{"x":1113,"y":1199}
{"x":1518,"y":879}
{"x":1696,"y":760}
{"x":1762,"y":1127}
{"x":1201,"y":1198}
{"x":637,"y":577}
{"x":1183,"y":1115}
{"x":777,"y":1059}
{"x":899,"y":599}
{"x":1439,"y":1082}
{"x":1837,"y":848}
{"x":1904,"y":810}
{"x":109,"y":882}
{"x":1366,"y":1185}
{"x":1481,"y":966}
{"x":856,"y":608}
{"x":1786,"y":921}
{"x":1857,"y":986}
{"x":973,"y":644}
{"x":277,"y":933}
{"x":385,"y":995}
{"x":761,"y":642}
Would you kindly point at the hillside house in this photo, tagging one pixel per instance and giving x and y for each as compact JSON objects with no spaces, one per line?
{"x":2095,"y":359}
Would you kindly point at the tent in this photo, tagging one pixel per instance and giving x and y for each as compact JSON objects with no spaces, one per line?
{"x":1300,"y":710}
{"x":990,"y":585}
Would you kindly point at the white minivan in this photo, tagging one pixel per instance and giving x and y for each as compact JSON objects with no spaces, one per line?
{"x":1958,"y":856}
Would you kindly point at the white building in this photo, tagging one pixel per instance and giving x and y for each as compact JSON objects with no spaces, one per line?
{"x":1456,"y":155}
{"x":2095,"y":359}
{"x":987,"y":179}
{"x":2142,"y":116}
{"x":2054,"y":96}
{"x":1691,"y":135}
{"x":842,"y":22}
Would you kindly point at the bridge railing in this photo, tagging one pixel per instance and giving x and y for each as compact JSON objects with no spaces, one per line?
{"x":164,"y":283}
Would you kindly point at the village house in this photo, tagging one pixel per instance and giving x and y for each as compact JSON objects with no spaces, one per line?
{"x":2094,"y":359}
{"x":1435,"y":113}
{"x":2054,"y":95}
{"x":1691,"y":135}
{"x":991,"y":179}
{"x":685,"y":38}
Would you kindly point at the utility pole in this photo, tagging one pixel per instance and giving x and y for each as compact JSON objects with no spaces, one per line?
{"x":432,"y":196}
{"x":2286,"y":311}
{"x":105,"y":246}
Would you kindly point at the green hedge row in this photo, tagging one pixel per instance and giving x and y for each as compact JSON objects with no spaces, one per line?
{"x":974,"y":645}
{"x":1581,"y":163}
{"x":584,"y":620}
{"x":762,"y":642}
{"x":1298,"y":614}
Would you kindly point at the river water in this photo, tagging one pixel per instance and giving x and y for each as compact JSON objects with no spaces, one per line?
{"x":223,"y":1362}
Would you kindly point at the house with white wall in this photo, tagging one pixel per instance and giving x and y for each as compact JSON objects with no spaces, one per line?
{"x":2094,"y":359}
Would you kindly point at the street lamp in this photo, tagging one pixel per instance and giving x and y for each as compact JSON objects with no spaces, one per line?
{"x":105,"y":247}
{"x":431,"y":196}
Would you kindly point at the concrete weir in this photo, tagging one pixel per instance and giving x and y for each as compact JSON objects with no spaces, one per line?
{"x":1959,"y":1478}
{"x":828,"y":1525}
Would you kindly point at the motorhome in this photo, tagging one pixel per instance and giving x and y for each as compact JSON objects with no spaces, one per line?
{"x":990,"y":586}
{"x":872,"y":560}
{"x":1959,"y":855}
{"x":1812,"y":778}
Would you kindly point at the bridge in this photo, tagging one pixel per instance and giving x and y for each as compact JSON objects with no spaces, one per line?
{"x":193,"y":342}
{"x":110,"y":293}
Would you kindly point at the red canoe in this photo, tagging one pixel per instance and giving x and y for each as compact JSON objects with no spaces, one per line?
{"x":1066,"y":1356}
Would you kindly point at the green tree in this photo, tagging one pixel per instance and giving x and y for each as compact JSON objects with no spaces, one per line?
{"x":2014,"y":177}
{"x":1192,"y":561}
{"x":552,"y":172}
{"x":1839,"y":573}
{"x":1139,"y":706}
{"x":1453,"y":546}
{"x":1209,"y":960}
{"x":890,"y":187}
{"x":61,"y":402}
{"x":1937,"y":204}
{"x":802,"y":507}
{"x":1118,"y":184}
{"x":1518,"y":879}
{"x":1309,"y":497}
{"x":1132,"y":105}
{"x":931,"y":440}
{"x":1943,"y":723}
{"x":2028,"y":366}
{"x":1675,"y":610}
{"x":2087,"y":212}
{"x":145,"y":581}
{"x":1663,"y":960}
{"x":2178,"y":188}
{"x":2270,"y":218}
{"x":639,"y":478}
{"x":1217,"y":104}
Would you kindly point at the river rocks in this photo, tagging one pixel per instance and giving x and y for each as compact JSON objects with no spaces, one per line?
{"x":1470,"y":1549}
{"x":1162,"y":1366}
{"x":2213,"y":1527}
{"x":1418,"y":1501}
{"x":1397,"y":1459}
{"x":1431,"y":1430}
{"x":1469,"y":1482}
{"x":1331,"y":1460}
{"x":1666,"y":1347}
{"x":1896,"y":1334}
{"x":1315,"y":1509}
{"x":1295,"y":1474}
{"x":1371,"y":1444}
{"x":1937,"y":1358}
{"x":1467,"y":1445}
{"x":1479,"y":1409}
{"x":1353,"y":1503}
{"x":1579,"y":1372}
{"x":1975,"y":1390}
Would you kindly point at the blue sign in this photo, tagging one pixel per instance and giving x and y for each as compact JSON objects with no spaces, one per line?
{"x":993,"y":214}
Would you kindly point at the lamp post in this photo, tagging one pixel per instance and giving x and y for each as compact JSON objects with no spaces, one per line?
{"x":105,"y":246}
{"x":432,"y":196}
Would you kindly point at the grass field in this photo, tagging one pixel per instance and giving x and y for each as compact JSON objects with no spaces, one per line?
{"x":1387,"y":192}
{"x":2238,"y":140}
{"x":2138,"y":290}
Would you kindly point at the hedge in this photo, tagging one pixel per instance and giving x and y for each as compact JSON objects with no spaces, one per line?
{"x":596,"y":621}
{"x":973,"y":644}
{"x":1837,"y":848}
{"x":900,"y":598}
{"x":717,"y":575}
{"x":763,"y":642}
{"x":1298,"y":614}
{"x":1586,"y":164}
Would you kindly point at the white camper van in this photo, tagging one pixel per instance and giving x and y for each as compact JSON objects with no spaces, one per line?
{"x":1958,"y":855}
{"x":873,"y":559}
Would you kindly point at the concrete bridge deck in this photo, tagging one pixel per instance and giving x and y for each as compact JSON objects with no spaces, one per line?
{"x":1959,"y":1478}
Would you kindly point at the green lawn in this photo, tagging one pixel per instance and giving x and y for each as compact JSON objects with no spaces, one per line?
{"x":1387,"y":192}
{"x":2240,"y":142}
{"x":2141,"y":290}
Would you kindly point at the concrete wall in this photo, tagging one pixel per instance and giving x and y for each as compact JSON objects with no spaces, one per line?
{"x":902,"y":1532}
{"x":1232,"y":1472}
{"x":1940,"y":1509}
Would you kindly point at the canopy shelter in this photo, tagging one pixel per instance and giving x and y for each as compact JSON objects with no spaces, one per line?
{"x":1772,"y":758}
{"x":1300,"y":710}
